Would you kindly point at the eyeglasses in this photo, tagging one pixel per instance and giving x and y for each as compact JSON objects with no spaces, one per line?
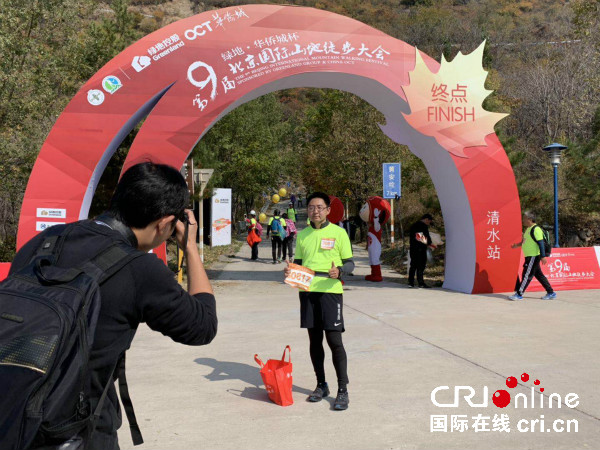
{"x":317,"y":208}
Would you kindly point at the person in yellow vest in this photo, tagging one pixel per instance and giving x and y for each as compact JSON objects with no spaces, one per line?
{"x":324,"y":248}
{"x":277,"y":229}
{"x":291,"y":212}
{"x":534,"y":252}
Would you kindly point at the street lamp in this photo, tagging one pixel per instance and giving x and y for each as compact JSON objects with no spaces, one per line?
{"x":554,"y":151}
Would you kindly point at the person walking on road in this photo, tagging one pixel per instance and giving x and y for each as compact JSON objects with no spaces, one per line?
{"x":288,"y":242}
{"x":419,"y":241}
{"x":254,"y":232}
{"x":291,"y":212}
{"x":534,"y":252}
{"x":276,"y":228}
{"x":324,"y":248}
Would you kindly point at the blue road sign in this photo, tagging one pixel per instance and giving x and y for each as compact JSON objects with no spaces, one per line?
{"x":391,"y":180}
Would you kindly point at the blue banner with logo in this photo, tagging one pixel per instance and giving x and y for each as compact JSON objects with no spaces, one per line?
{"x":391,"y":180}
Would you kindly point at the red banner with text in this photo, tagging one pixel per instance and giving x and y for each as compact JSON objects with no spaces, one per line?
{"x":570,"y":268}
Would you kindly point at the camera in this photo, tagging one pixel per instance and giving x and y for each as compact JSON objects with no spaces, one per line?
{"x":183,"y":218}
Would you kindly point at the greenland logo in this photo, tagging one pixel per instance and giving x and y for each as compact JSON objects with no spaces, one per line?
{"x":139,"y":63}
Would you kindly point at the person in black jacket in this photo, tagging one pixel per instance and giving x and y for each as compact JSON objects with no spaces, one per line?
{"x":419,"y":240}
{"x":147,"y":207}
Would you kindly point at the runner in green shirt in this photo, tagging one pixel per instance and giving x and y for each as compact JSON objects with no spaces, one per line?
{"x":291,"y":212}
{"x":324,"y":248}
{"x":534,"y":251}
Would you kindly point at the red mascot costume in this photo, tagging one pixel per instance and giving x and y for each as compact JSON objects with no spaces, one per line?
{"x":336,"y":214}
{"x":376,"y":212}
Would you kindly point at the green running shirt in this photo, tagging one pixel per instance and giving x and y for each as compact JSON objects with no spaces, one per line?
{"x":531,"y":247}
{"x":318,"y":248}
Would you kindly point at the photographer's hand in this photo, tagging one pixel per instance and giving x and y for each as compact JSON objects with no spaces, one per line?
{"x":192,"y":232}
{"x":197,"y":279}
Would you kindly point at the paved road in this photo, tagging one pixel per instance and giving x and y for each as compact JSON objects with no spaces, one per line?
{"x":401,"y":345}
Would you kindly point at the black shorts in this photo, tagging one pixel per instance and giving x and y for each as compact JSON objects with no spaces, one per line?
{"x":322,"y":310}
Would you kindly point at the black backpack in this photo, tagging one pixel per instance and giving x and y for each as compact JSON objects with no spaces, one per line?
{"x":547,"y":243}
{"x":48,"y":319}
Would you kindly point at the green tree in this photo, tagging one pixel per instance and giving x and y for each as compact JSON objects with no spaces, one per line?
{"x":49,"y":49}
{"x":344,"y":149}
{"x":581,"y":169}
{"x":247,"y":149}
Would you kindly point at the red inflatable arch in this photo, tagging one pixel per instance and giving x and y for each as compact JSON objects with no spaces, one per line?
{"x":183,"y":78}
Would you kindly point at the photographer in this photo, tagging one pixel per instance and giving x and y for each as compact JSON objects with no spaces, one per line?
{"x":147,"y":207}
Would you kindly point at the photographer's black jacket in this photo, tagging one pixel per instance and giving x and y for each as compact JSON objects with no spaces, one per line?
{"x":142,"y":291}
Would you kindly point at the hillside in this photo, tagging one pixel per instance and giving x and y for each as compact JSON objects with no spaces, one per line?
{"x":543,"y":59}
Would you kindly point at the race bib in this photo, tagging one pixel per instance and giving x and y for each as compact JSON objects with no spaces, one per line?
{"x":327,"y":244}
{"x":300,"y":277}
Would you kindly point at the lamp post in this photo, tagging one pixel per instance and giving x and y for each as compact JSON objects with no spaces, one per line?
{"x":554,"y":151}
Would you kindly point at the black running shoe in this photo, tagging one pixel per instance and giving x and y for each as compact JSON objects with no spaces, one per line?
{"x":341,"y":401}
{"x":424,"y":286}
{"x":320,"y":392}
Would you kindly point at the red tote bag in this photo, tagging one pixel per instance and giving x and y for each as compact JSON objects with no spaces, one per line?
{"x":277,"y":377}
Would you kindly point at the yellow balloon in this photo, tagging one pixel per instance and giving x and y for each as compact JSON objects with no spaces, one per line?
{"x":282,"y":192}
{"x":262,"y":217}
{"x":275,"y":198}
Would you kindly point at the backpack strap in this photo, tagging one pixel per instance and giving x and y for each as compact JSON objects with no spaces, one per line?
{"x":98,"y":410}
{"x":546,"y":249}
{"x":109,"y":261}
{"x":114,"y":224}
{"x":119,"y":369}
{"x":136,"y":434}
{"x":100,"y":268}
{"x":532,"y":233}
{"x":52,"y":244}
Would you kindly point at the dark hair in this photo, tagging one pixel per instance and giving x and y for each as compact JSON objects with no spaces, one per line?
{"x":320,"y":195}
{"x":284,"y":215}
{"x":427,"y":216}
{"x":147,"y":192}
{"x":276,"y":212}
